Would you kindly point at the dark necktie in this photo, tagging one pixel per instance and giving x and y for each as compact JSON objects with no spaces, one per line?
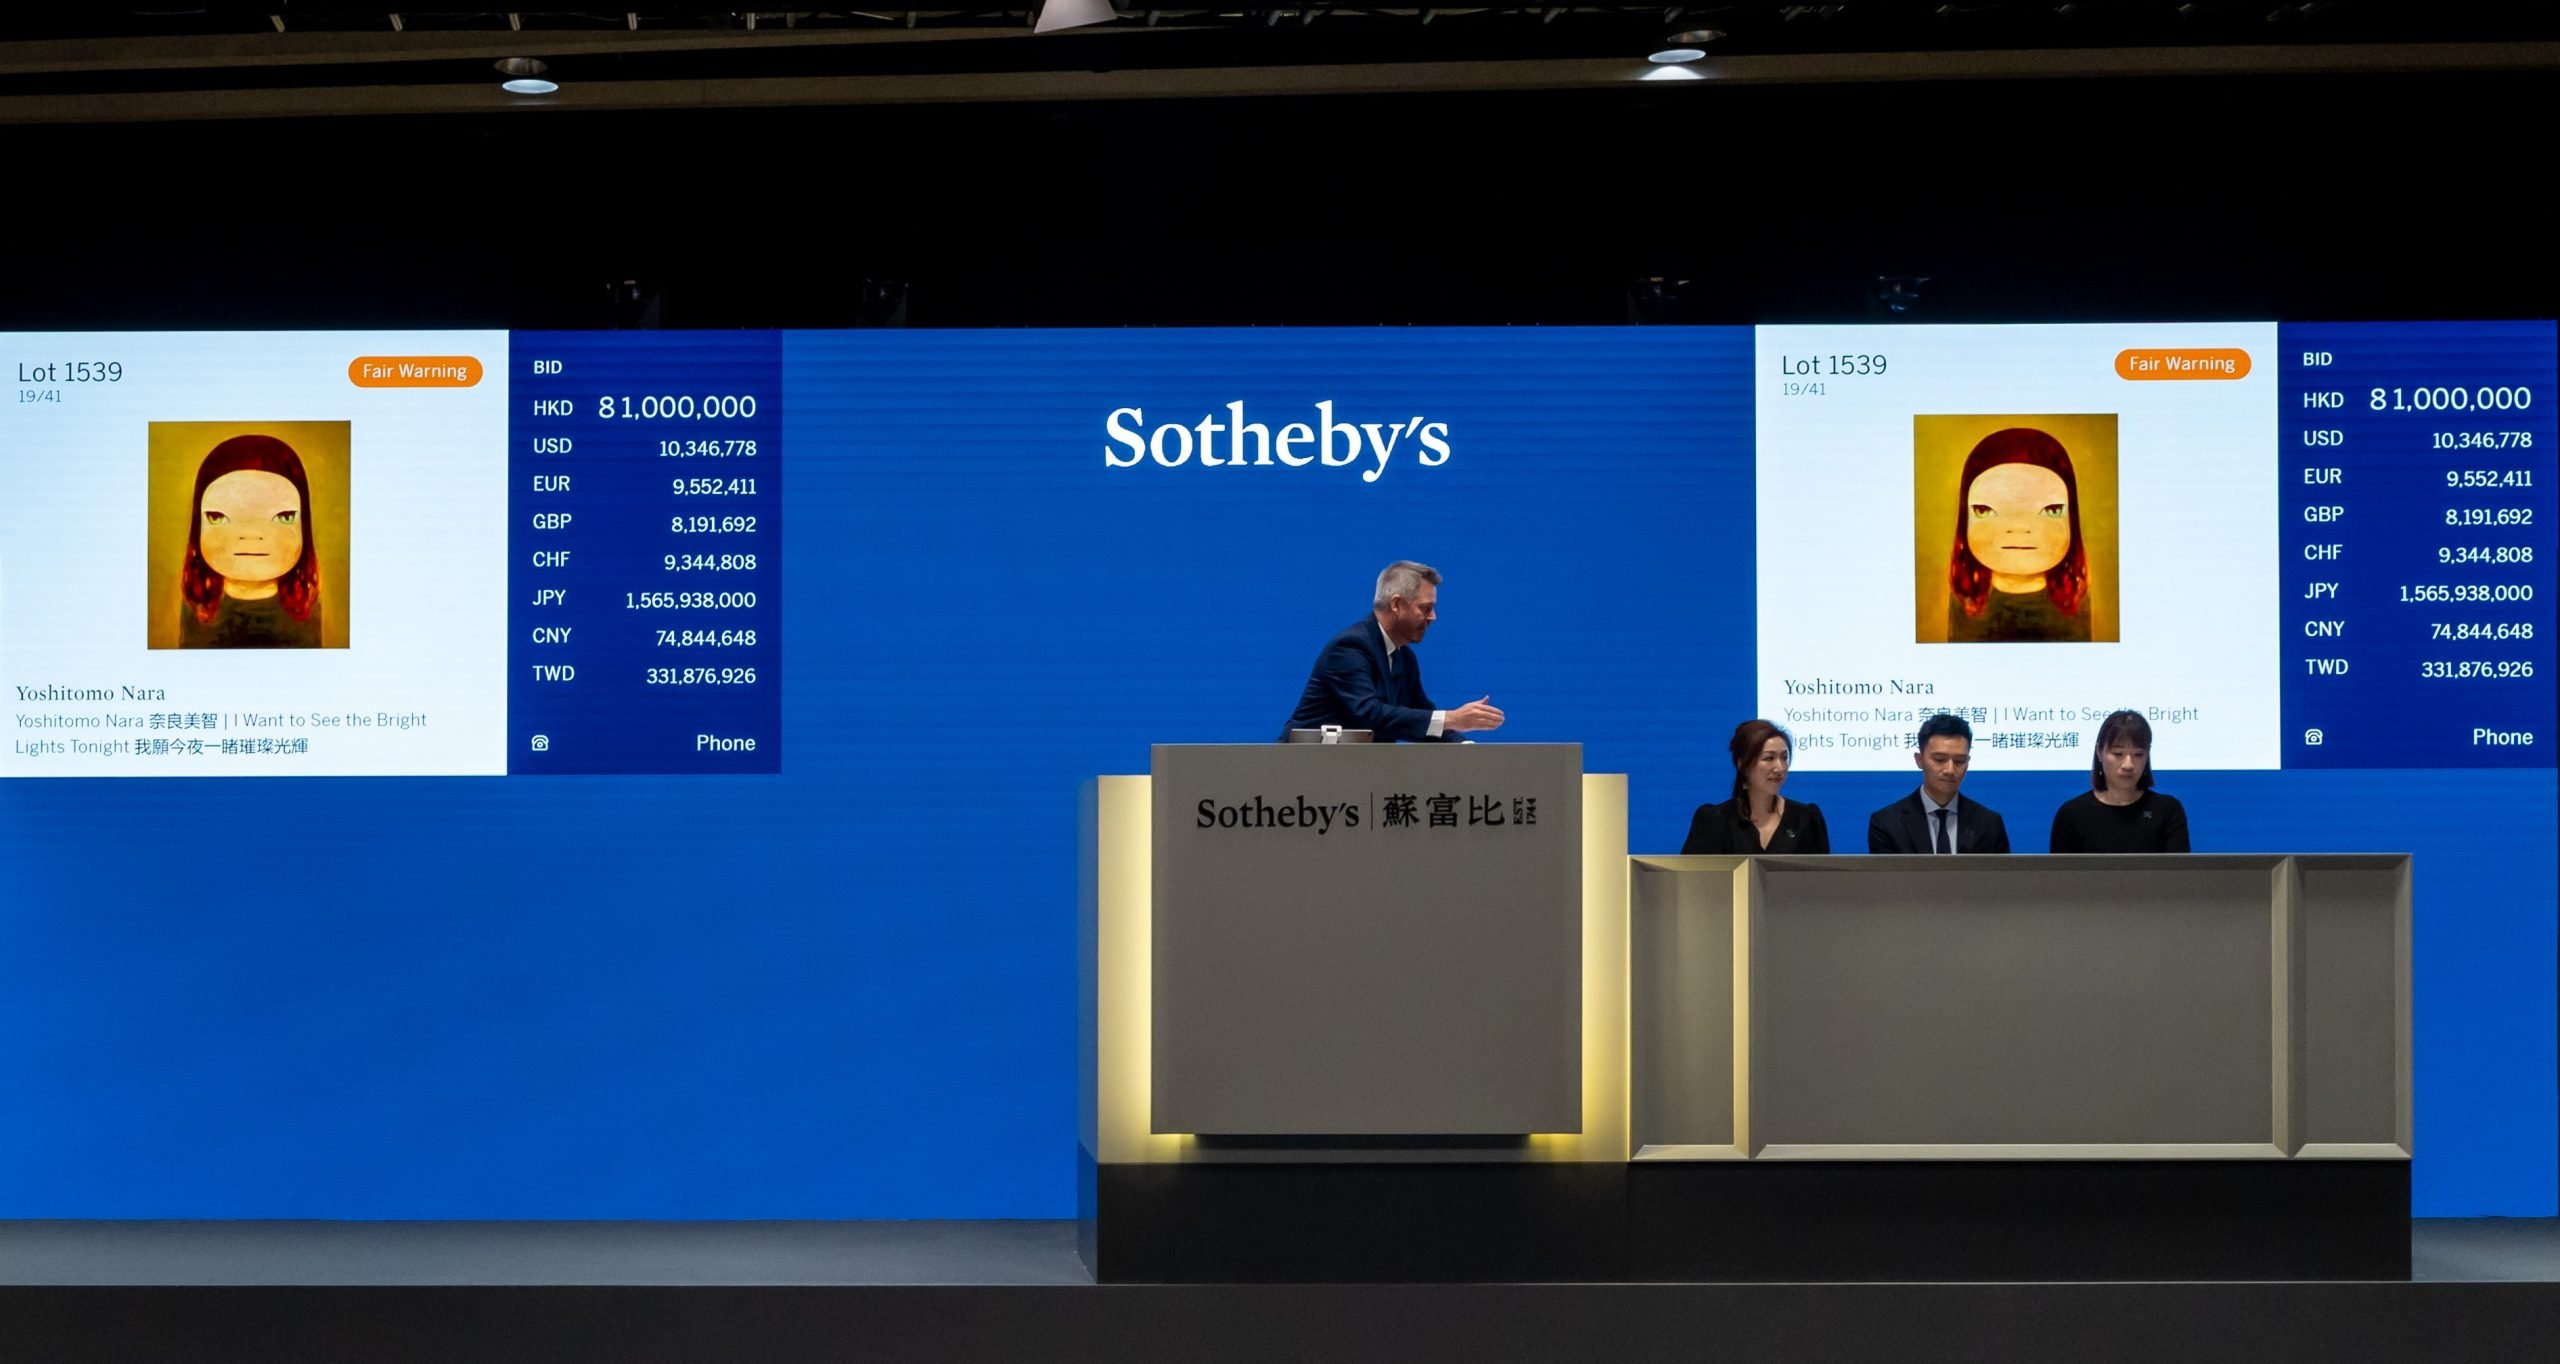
{"x":1939,"y":818}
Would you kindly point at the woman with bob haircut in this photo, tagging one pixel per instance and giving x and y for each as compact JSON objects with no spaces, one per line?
{"x":1758,"y":819}
{"x":2120,"y":813}
{"x":2018,"y":572}
{"x":251,"y":579}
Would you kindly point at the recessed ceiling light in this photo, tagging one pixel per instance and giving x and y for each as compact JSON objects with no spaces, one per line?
{"x":525,"y":76}
{"x":1688,"y":46}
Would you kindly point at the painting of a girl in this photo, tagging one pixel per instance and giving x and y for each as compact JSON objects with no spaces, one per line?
{"x":251,"y":575}
{"x":2018,"y":570}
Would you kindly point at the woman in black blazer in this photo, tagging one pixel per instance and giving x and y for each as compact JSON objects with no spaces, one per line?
{"x":2120,"y":813}
{"x":1758,"y":819}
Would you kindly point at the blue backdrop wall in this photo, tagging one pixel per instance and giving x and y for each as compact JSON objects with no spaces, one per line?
{"x":847,"y":991}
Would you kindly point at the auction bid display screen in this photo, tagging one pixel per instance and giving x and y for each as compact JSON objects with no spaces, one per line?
{"x":528,"y":775}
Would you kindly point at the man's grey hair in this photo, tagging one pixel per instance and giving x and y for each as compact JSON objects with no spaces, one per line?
{"x":1403,"y":578}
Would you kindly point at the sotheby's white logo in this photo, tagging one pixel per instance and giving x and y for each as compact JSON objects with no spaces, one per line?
{"x":1325,"y":442}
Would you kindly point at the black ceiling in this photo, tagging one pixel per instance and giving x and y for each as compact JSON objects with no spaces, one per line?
{"x":396,"y":43}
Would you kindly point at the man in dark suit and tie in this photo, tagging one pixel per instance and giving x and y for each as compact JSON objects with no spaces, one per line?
{"x":1934,"y":819}
{"x":1368,"y":677}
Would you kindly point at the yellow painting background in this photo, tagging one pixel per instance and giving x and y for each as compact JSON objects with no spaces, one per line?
{"x":1939,"y":445}
{"x":178,"y":450}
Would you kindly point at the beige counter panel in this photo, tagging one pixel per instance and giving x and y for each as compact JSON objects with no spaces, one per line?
{"x":2206,"y":1007}
{"x":2355,"y":1005}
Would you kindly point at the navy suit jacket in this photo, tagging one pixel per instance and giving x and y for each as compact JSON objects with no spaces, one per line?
{"x":1351,"y":686}
{"x":1903,"y":827}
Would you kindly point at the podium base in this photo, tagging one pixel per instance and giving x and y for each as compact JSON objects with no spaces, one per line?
{"x":1736,"y":1222}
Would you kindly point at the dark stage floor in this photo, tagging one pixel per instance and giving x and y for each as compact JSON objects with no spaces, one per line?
{"x":737,"y":1254}
{"x":785,"y":1292}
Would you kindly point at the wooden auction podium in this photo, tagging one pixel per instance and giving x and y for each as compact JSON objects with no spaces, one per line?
{"x":1410,"y":1012}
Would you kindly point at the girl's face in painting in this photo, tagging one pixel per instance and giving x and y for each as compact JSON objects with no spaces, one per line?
{"x":2018,"y":520}
{"x":250,"y":527}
